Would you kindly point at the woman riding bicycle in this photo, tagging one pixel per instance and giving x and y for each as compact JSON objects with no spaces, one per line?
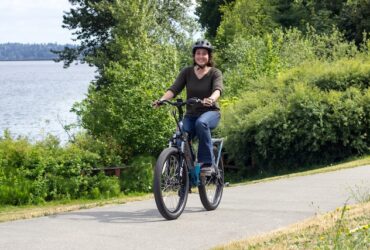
{"x":203,"y":81}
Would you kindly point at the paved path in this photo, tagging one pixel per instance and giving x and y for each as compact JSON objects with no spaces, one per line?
{"x":244,"y":211}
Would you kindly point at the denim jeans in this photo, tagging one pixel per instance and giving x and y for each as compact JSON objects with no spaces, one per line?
{"x":201,"y":126}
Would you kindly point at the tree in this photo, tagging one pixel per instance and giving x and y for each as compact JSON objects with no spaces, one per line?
{"x":210,"y":15}
{"x":136,"y":49}
{"x":355,"y":19}
{"x":243,"y":19}
{"x":93,"y":22}
{"x":351,"y":17}
{"x":250,"y":17}
{"x":322,"y":15}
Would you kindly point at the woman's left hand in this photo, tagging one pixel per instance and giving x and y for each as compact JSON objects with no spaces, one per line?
{"x":208,"y":102}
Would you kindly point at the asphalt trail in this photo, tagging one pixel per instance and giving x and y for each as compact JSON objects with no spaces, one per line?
{"x":244,"y":211}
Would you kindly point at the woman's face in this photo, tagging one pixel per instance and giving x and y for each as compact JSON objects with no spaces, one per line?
{"x":201,"y":57}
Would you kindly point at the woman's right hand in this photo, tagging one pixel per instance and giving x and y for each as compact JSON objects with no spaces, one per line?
{"x":157,"y":104}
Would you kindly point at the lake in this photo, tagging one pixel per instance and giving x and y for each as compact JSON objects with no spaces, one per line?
{"x":36,"y":96}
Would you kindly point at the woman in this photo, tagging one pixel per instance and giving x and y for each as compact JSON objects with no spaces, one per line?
{"x":203,"y":81}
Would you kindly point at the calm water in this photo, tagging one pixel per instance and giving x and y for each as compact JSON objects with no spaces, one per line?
{"x":36,"y":96}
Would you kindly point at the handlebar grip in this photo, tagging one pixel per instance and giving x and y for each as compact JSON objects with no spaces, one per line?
{"x":180,"y":102}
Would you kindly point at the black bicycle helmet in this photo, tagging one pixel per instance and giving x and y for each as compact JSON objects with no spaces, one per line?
{"x":202,"y":44}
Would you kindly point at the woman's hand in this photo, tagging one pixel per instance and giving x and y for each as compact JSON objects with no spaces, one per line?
{"x":167,"y":96}
{"x":156,"y":104}
{"x":208,"y":102}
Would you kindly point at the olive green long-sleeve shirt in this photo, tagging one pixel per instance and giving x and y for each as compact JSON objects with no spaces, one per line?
{"x":200,"y":88}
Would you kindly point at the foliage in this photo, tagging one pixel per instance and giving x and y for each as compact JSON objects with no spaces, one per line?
{"x":44,"y":171}
{"x":94,"y":24}
{"x":288,"y":122}
{"x":351,"y":17}
{"x":249,"y":18}
{"x":108,"y":151}
{"x":140,"y":66}
{"x":355,"y":20}
{"x":121,"y":114}
{"x":210,"y":15}
{"x":338,"y":75}
{"x":345,"y":228}
{"x":322,"y":15}
{"x":316,"y":112}
{"x":138,"y":177}
{"x":244,"y":19}
{"x":245,"y":60}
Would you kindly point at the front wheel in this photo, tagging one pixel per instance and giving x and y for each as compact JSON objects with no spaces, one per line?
{"x":171,"y":183}
{"x":211,"y":187}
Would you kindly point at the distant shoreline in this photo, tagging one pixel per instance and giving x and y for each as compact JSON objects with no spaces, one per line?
{"x":26,"y":60}
{"x":31,"y":52}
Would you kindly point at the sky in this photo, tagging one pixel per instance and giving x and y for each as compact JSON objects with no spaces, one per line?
{"x":33,"y":21}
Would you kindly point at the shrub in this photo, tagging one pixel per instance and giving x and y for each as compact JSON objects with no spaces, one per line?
{"x":248,"y":58}
{"x":16,"y":190}
{"x":43,"y":171}
{"x":292,"y":121}
{"x":338,"y":75}
{"x":107,"y":151}
{"x":104,"y":187}
{"x":138,"y":177}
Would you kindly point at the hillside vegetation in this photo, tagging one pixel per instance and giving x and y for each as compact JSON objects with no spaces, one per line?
{"x":27,"y":52}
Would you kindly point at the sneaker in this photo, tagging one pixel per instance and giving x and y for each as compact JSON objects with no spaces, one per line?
{"x":206,"y":169}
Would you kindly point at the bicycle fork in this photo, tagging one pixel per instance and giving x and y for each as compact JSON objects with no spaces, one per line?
{"x":218,"y":143}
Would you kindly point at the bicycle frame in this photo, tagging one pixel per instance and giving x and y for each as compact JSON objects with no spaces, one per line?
{"x":176,"y":173}
{"x":182,"y":142}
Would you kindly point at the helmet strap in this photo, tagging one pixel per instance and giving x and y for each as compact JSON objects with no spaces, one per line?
{"x":201,"y":66}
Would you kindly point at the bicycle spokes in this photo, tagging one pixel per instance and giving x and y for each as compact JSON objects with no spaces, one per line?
{"x":170,"y":183}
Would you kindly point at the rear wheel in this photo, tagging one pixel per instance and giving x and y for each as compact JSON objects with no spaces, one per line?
{"x":211,"y":187}
{"x":171,"y":184}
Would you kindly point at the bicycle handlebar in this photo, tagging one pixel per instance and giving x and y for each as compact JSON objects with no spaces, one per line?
{"x":180,"y":102}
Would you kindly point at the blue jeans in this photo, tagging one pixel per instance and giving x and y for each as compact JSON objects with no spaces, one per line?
{"x":201,"y":126}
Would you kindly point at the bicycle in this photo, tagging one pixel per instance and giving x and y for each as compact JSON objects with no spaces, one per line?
{"x":177,"y":171}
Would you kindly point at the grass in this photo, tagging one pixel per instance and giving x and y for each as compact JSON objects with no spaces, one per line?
{"x":349,"y":163}
{"x":9,"y":213}
{"x":345,"y":228}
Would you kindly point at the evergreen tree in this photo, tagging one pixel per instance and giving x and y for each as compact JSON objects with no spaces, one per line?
{"x":210,"y":14}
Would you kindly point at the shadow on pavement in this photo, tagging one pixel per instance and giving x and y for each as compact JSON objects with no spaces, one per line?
{"x":140,"y":216}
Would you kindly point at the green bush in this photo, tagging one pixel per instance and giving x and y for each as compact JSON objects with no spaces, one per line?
{"x":290,"y":122}
{"x":104,"y":187}
{"x":108,"y":152}
{"x":16,"y":190}
{"x":32,"y":173}
{"x":138,"y":177}
{"x":338,"y":75}
{"x":248,"y":58}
